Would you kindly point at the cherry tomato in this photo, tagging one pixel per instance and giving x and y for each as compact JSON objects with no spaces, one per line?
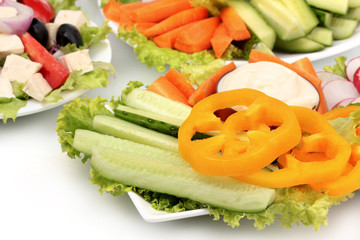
{"x":43,"y":10}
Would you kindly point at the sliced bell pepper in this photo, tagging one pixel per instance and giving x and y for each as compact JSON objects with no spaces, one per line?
{"x":249,"y":139}
{"x":319,"y":137}
{"x":340,"y":112}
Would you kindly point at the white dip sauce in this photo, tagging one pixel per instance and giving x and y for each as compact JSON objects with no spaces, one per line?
{"x":274,"y":80}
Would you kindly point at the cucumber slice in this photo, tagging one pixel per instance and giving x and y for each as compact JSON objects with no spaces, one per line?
{"x":122,"y":129}
{"x":321,"y":35}
{"x":353,"y":13}
{"x":285,"y":24}
{"x":255,"y":22}
{"x":85,"y":141}
{"x":324,"y":17}
{"x":342,"y":28}
{"x":354,"y":3}
{"x":165,"y":177}
{"x":301,"y":45}
{"x":335,"y":6}
{"x":302,"y":11}
{"x":154,"y":103}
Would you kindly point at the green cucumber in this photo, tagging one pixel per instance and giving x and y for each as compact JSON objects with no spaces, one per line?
{"x":255,"y":22}
{"x":303,"y":13}
{"x":285,"y":24}
{"x":122,"y":129}
{"x":162,"y":176}
{"x":85,"y":141}
{"x":353,"y":13}
{"x":354,"y":3}
{"x":335,"y":6}
{"x":151,"y":102}
{"x":342,"y":28}
{"x":324,"y":17}
{"x":301,"y":45}
{"x":321,"y":35}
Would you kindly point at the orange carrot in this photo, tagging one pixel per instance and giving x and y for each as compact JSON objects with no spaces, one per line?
{"x":221,"y":40}
{"x":209,"y":86}
{"x":167,"y":40}
{"x":180,"y":82}
{"x":159,"y":10}
{"x":140,"y":27}
{"x":234,"y":24}
{"x":306,"y":65}
{"x":256,"y":56}
{"x":197,"y":37}
{"x":178,"y":19}
{"x":163,"y":87}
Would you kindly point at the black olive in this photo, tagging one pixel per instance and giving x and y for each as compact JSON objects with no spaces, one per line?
{"x":68,"y":33}
{"x":39,"y":31}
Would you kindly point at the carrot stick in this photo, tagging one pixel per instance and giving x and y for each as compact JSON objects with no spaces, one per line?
{"x":221,"y":40}
{"x":256,"y":56}
{"x":180,"y":82}
{"x":178,"y":19}
{"x":140,"y":27}
{"x":197,"y":37}
{"x":167,"y":40}
{"x":163,"y":87}
{"x":234,"y":24}
{"x":159,"y":10}
{"x":306,"y":65}
{"x":209,"y":86}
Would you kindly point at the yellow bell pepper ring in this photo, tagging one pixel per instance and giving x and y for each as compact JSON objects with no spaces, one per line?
{"x":248,"y":140}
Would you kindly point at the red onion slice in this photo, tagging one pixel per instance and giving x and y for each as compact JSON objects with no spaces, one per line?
{"x":19,"y":24}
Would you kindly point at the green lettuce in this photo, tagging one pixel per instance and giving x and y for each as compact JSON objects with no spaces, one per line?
{"x":292,"y":206}
{"x":63,"y":4}
{"x":10,"y":106}
{"x":104,"y":2}
{"x":338,"y":68}
{"x":346,"y":127}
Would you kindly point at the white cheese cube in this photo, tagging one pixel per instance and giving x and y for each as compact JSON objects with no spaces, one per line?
{"x":10,"y":43}
{"x":7,"y":12}
{"x":37,"y":87}
{"x":6,"y":90}
{"x":19,"y":69}
{"x":52,"y":30}
{"x":76,"y":18}
{"x":79,"y":60}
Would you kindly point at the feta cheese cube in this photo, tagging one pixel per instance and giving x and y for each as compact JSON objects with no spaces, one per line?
{"x":79,"y":60}
{"x":19,"y":69}
{"x":10,"y":43}
{"x":7,"y":12}
{"x":52,"y":30}
{"x":37,"y":87}
{"x":74,"y":17}
{"x":6,"y":90}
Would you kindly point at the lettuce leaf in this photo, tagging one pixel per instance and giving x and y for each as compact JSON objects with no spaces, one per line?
{"x":338,"y":68}
{"x":346,"y":127}
{"x":10,"y":106}
{"x":63,"y":4}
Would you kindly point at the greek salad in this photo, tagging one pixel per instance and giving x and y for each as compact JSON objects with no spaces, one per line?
{"x":44,"y":51}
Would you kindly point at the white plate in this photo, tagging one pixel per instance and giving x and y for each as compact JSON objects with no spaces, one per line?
{"x":98,"y":52}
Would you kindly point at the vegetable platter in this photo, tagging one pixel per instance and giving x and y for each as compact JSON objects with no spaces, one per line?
{"x":263,"y":28}
{"x":51,"y":53}
{"x":50,"y":194}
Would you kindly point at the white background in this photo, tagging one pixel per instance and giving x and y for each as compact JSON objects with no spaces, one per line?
{"x":46,"y":195}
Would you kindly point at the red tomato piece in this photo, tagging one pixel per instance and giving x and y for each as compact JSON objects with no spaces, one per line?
{"x":52,"y":70}
{"x":43,"y":10}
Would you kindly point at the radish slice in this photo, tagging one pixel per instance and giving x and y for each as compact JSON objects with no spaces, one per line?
{"x":18,"y":24}
{"x":327,"y":76}
{"x":356,"y":100}
{"x":356,"y":79}
{"x":351,"y":68}
{"x":338,"y":90}
{"x":345,"y":102}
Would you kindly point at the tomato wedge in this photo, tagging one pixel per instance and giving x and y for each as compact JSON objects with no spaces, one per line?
{"x":43,"y":10}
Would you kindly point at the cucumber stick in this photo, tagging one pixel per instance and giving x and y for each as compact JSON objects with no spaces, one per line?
{"x":342,"y":28}
{"x":334,"y":6}
{"x":122,"y":129}
{"x":321,"y":35}
{"x":255,"y":22}
{"x":157,"y":175}
{"x":324,"y":17}
{"x":301,"y":45}
{"x":151,"y":102}
{"x":354,"y":3}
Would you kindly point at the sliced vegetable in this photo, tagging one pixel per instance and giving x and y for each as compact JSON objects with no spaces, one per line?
{"x":269,"y":127}
{"x":320,"y":137}
{"x":197,"y":37}
{"x":208,"y":87}
{"x":179,"y":81}
{"x":234,"y":24}
{"x":163,"y":87}
{"x":18,"y":24}
{"x":178,"y":19}
{"x":52,"y":70}
{"x":167,"y":40}
{"x":338,"y":90}
{"x":351,"y":67}
{"x":220,"y":40}
{"x":306,"y":65}
{"x":43,"y":9}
